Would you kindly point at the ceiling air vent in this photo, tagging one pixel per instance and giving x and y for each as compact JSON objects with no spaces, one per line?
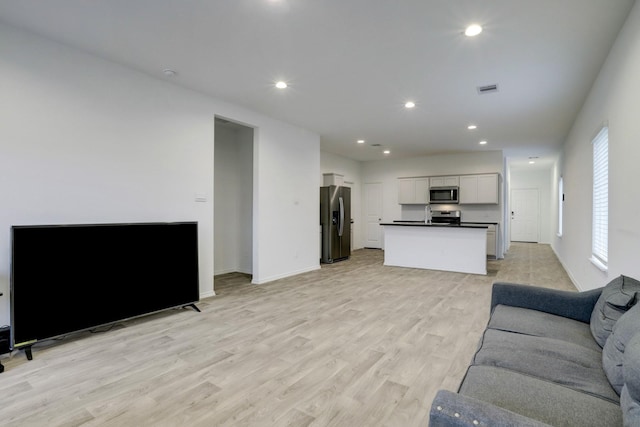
{"x":487,"y":89}
{"x":376,"y":145}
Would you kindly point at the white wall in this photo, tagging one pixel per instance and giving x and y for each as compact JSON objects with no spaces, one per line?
{"x":285,"y":204}
{"x":613,"y":98}
{"x":351,"y":170}
{"x":85,"y":140}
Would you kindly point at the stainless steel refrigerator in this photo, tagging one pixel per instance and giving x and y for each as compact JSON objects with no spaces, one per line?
{"x":335,"y":219}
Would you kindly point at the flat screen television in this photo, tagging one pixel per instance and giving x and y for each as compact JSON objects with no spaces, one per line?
{"x":70,"y":278}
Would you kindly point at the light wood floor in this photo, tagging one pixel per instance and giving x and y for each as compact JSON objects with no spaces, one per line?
{"x":352,"y":344}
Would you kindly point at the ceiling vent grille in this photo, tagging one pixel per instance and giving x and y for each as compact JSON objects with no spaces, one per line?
{"x":487,"y":89}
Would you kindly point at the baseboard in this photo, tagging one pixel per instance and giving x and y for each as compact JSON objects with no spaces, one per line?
{"x":282,"y":276}
{"x":224,"y":271}
{"x":207,"y":294}
{"x":571,"y":277}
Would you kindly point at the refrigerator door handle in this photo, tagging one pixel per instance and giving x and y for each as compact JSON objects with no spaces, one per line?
{"x":341,"y":225}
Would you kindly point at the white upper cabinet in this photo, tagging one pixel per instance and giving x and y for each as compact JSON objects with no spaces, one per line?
{"x":479,"y":189}
{"x":473,"y":189}
{"x":413,"y":191}
{"x":444,"y":181}
{"x":332,"y":179}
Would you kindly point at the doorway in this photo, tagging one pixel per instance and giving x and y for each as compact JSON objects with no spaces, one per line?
{"x":525,"y":215}
{"x":233,"y":198}
{"x":373,"y":215}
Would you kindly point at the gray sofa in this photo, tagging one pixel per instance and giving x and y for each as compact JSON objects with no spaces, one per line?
{"x":550,"y":357}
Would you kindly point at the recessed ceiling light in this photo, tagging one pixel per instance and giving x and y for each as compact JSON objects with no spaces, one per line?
{"x":410,"y":104}
{"x":473,"y":30}
{"x":386,"y":152}
{"x":169,"y":72}
{"x":361,"y":141}
{"x":281,"y":85}
{"x":531,"y":162}
{"x":472,"y":127}
{"x":482,"y":142}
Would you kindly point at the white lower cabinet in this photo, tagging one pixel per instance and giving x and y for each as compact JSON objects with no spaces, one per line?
{"x":491,"y":241}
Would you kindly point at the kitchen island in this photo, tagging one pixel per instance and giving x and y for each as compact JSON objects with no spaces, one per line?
{"x":448,"y":247}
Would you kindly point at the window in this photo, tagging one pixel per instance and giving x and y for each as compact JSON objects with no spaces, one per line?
{"x":560,"y":201}
{"x":600,"y":226}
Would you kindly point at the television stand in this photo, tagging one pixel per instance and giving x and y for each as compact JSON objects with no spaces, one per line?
{"x":192,"y":305}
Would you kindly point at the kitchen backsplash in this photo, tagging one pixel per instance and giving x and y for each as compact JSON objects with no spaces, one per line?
{"x":483,"y":213}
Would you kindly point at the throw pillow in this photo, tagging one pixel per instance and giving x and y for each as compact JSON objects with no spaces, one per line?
{"x":617,"y":297}
{"x":613,"y":352}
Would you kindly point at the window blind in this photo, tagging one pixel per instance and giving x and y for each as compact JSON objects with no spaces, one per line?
{"x":600,"y":229}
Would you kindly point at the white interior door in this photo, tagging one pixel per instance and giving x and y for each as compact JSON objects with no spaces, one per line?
{"x":525,"y":215}
{"x":373,"y":215}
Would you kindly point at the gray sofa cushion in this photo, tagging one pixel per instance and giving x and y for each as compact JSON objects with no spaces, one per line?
{"x":630,"y":398}
{"x":549,"y":359}
{"x":451,"y":409}
{"x":613,"y":352}
{"x":541,"y":400}
{"x":617,"y":297}
{"x":540,"y":324}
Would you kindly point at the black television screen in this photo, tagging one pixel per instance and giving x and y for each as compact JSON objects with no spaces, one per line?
{"x":69,"y":278}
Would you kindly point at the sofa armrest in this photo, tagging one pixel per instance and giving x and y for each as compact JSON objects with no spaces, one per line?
{"x":573,"y":305}
{"x":451,"y":409}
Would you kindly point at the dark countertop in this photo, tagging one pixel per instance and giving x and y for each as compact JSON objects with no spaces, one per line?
{"x":481,"y":222}
{"x":422,"y":224}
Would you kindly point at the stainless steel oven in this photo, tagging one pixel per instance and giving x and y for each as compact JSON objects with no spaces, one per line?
{"x":443,"y":195}
{"x":446,"y":217}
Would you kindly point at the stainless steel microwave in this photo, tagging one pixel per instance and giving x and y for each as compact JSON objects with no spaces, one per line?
{"x":443,"y":195}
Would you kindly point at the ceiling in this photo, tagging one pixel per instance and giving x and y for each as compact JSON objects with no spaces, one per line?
{"x":352,"y":64}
